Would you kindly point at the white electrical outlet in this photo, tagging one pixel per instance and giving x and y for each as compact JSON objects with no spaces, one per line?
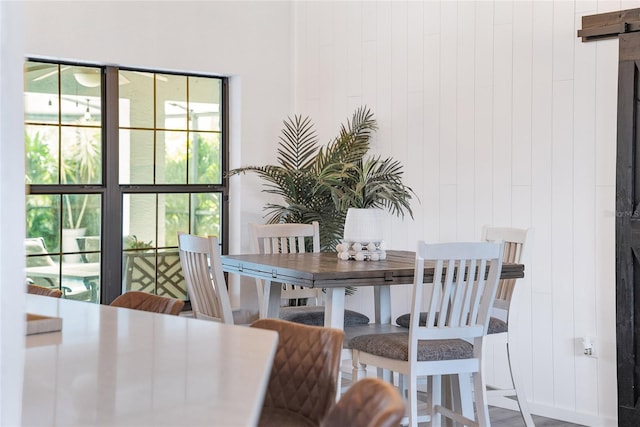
{"x":589,"y":346}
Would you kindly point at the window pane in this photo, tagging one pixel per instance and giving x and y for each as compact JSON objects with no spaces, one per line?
{"x":136,"y":99}
{"x":136,"y":156}
{"x":81,"y":211}
{"x":81,"y":89}
{"x":171,"y":101}
{"x":156,"y":272}
{"x":205,"y":165}
{"x":175,"y":210}
{"x":43,"y":220}
{"x":81,"y":156}
{"x":73,"y":269}
{"x":207,"y":214}
{"x":171,"y":160}
{"x":41,"y":101}
{"x":41,"y":148}
{"x":204,"y":103}
{"x":139,"y":221}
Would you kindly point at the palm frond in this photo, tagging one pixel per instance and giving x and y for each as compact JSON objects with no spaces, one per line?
{"x":298,"y":143}
{"x":320,"y":183}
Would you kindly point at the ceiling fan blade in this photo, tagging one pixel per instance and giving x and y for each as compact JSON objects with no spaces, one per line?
{"x":49,"y":74}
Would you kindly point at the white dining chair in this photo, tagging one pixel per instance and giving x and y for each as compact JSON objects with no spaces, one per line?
{"x":294,"y":238}
{"x":501,"y":325}
{"x":457,"y":301}
{"x":206,"y":285}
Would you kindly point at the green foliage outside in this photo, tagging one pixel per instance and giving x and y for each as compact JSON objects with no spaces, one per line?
{"x":206,"y":206}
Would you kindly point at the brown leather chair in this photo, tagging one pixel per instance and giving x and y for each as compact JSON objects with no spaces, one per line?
{"x":370,"y":402}
{"x":41,"y":290}
{"x":148,"y":302}
{"x":304,"y":378}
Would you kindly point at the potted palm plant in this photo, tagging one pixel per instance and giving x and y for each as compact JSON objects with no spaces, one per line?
{"x":321,"y":183}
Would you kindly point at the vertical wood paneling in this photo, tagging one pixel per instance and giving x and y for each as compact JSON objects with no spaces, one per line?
{"x":415,"y":46}
{"x":483,"y":124}
{"x":541,"y":286}
{"x":562,"y":241}
{"x":354,"y":50}
{"x":465,"y":108}
{"x":448,"y":93}
{"x":397,"y":146}
{"x":369,"y":21}
{"x":340,"y":62}
{"x":584,"y":214}
{"x":564,"y":35}
{"x":499,"y":104}
{"x":542,"y":329}
{"x":541,"y":114}
{"x":383,"y":106}
{"x":483,"y":183}
{"x":502,"y":116}
{"x":430,"y":191}
{"x":415,"y":169}
{"x":369,"y":75}
{"x":448,"y":211}
{"x":522,"y":68}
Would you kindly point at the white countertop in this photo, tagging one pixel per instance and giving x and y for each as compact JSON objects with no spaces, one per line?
{"x":119,"y":367}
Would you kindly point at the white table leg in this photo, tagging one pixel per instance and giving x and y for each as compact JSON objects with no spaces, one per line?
{"x":382,"y":301}
{"x":334,"y":308}
{"x":274,"y":290}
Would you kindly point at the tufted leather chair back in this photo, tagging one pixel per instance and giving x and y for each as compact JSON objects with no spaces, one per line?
{"x":304,"y":378}
{"x":148,"y":302}
{"x":41,"y":290}
{"x":370,"y":402}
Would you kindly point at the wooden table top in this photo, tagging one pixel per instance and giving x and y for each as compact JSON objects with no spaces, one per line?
{"x":326,"y":270}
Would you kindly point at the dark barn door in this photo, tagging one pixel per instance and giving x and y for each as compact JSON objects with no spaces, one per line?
{"x":628,"y":232}
{"x":625,"y":25}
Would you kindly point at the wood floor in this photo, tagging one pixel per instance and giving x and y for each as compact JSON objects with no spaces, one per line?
{"x":506,"y":418}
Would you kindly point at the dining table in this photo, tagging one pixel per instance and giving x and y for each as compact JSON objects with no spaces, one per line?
{"x":114,"y":366}
{"x":325,"y":270}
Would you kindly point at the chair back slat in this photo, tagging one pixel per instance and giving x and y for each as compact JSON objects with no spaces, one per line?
{"x":285,"y":238}
{"x":461,"y":293}
{"x":202,"y":269}
{"x":515,"y":248}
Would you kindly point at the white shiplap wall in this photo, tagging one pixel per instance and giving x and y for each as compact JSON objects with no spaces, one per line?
{"x":501,"y":115}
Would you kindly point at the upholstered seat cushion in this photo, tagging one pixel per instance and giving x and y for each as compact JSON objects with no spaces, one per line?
{"x":496,"y":325}
{"x":277,"y":417}
{"x":396,"y":346}
{"x":313,"y":315}
{"x":405,"y":319}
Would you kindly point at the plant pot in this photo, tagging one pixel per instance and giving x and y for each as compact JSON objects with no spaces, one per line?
{"x":363,"y":225}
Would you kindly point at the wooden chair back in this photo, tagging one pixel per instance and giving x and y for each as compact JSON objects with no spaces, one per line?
{"x":202,"y":270}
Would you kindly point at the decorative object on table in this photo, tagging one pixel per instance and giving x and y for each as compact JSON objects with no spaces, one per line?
{"x":373,"y":251}
{"x":362,"y":236}
{"x":321,"y":183}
